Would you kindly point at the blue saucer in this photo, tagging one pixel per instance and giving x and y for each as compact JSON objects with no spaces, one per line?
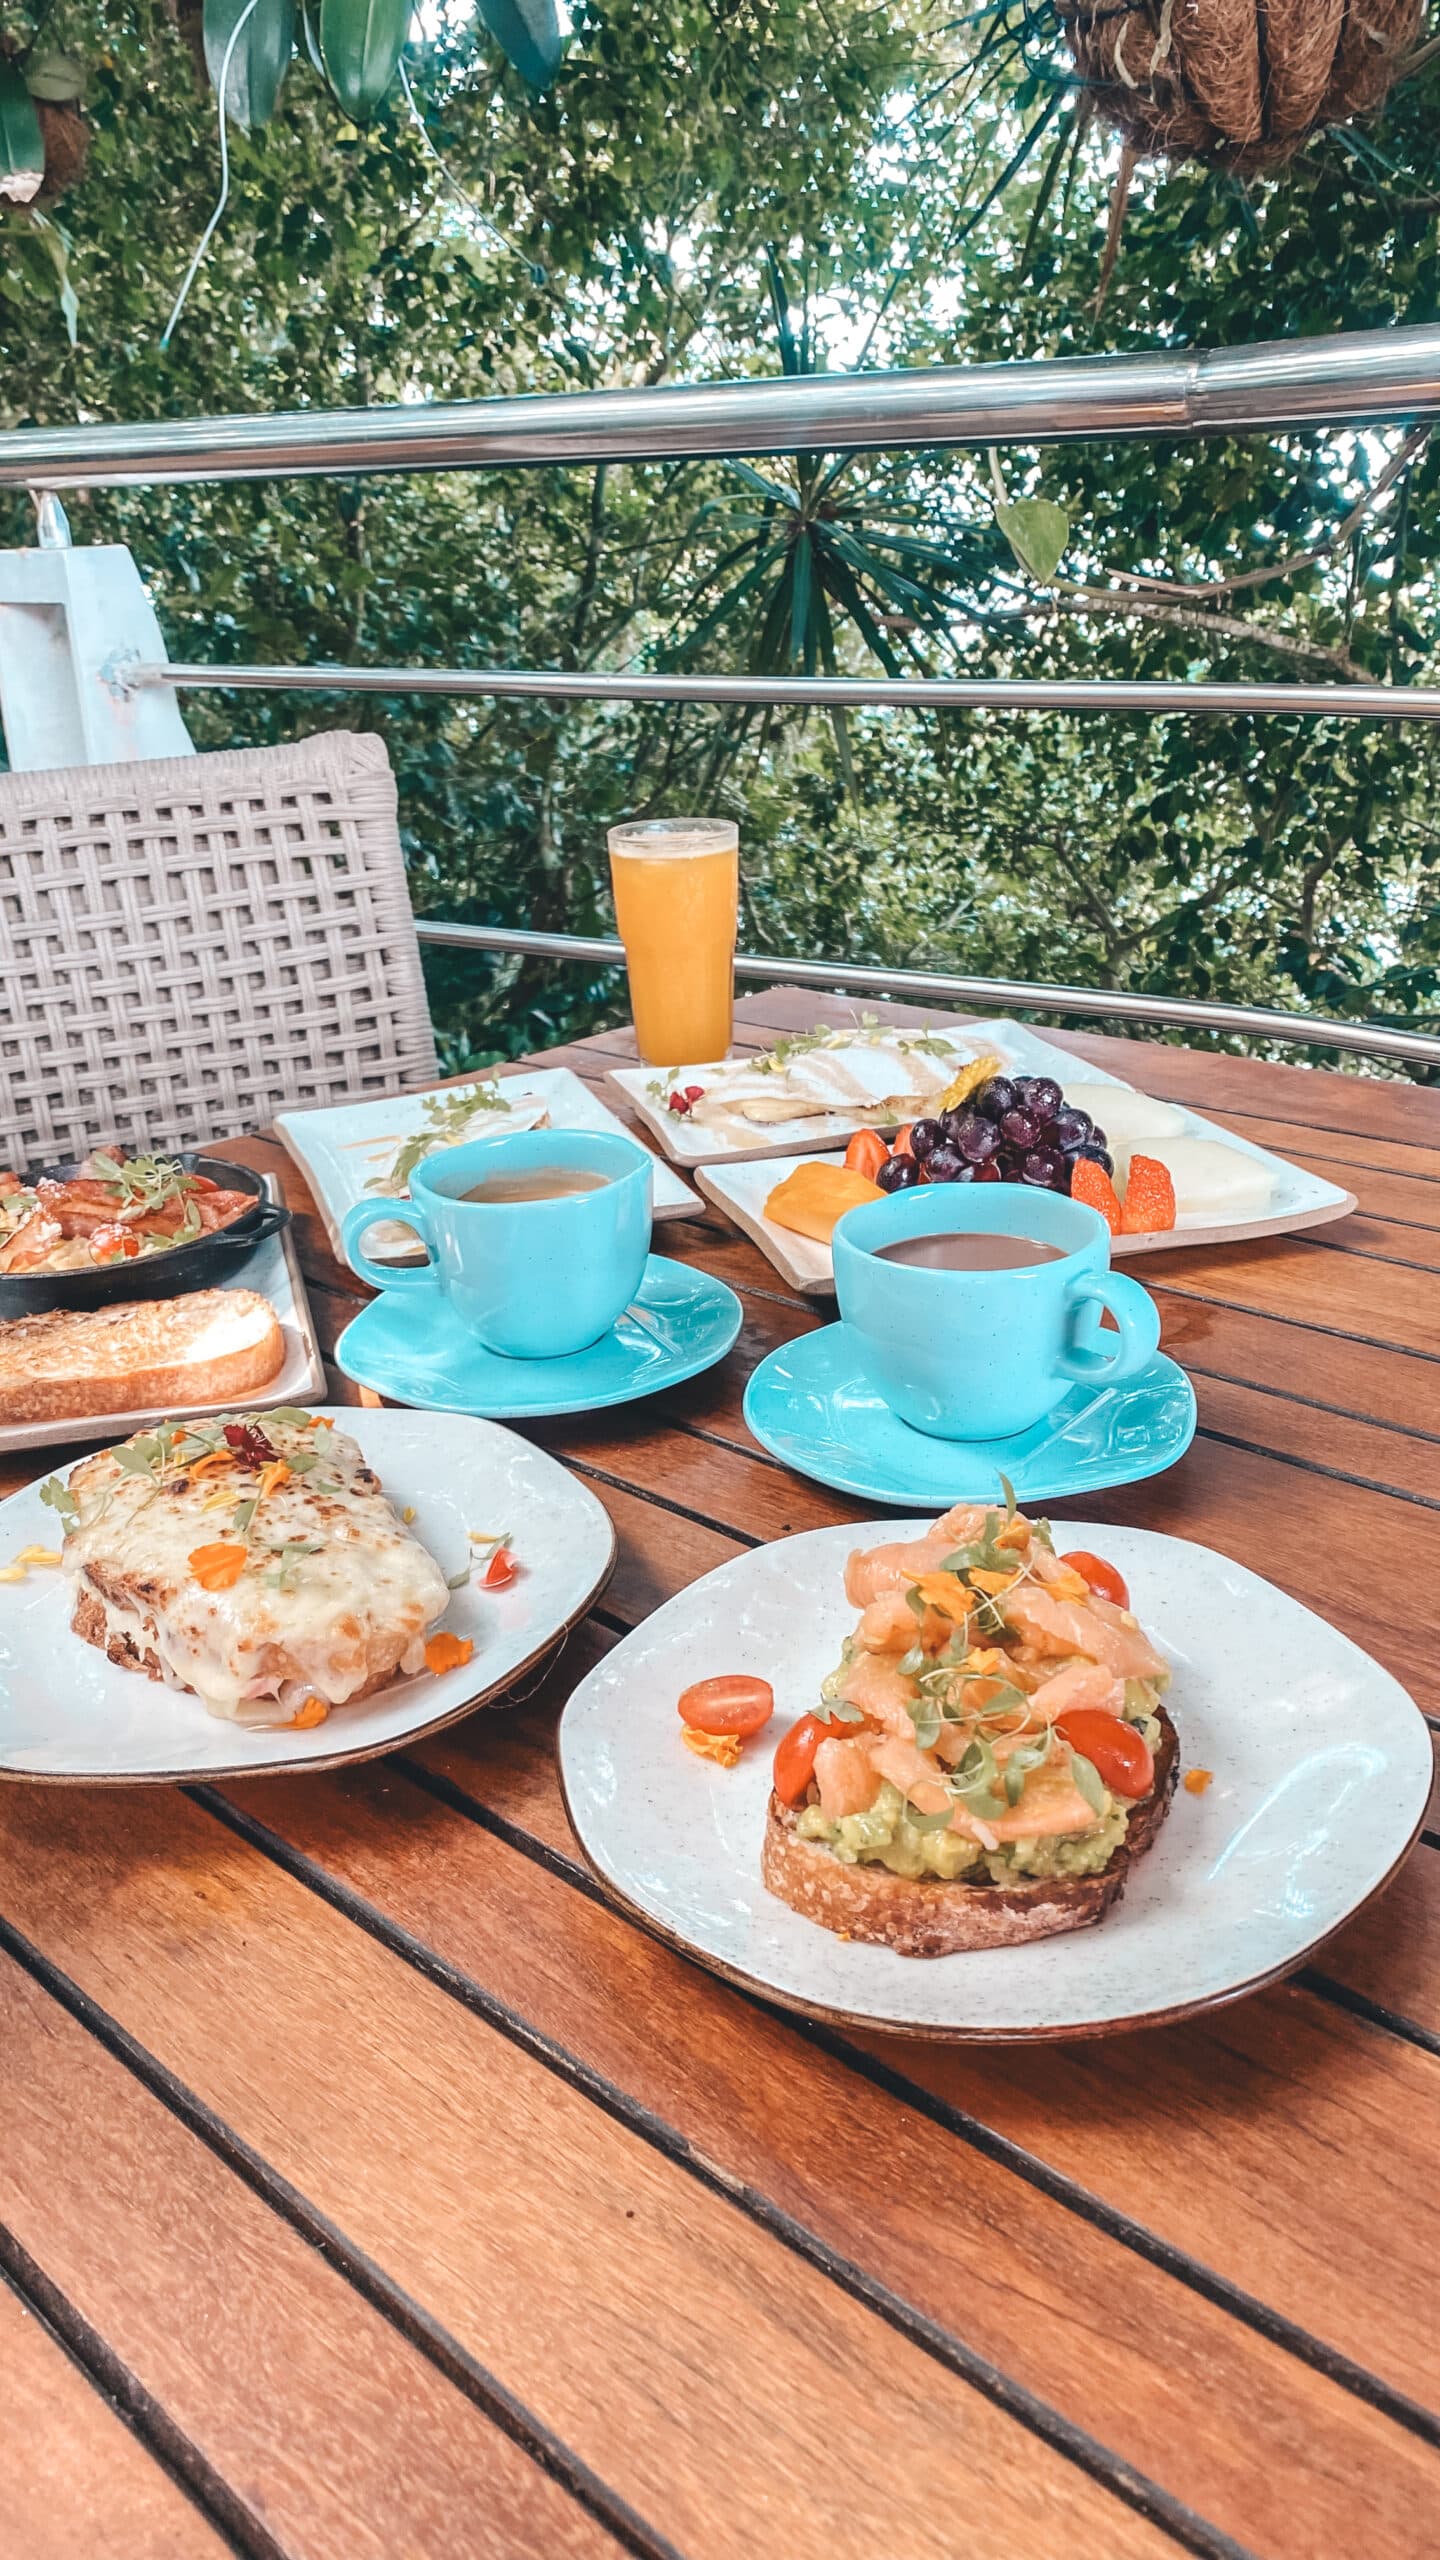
{"x":407,"y":1345}
{"x":813,"y":1404}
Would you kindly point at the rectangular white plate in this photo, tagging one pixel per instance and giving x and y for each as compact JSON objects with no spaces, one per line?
{"x":340,"y":1151}
{"x":273,"y":1272}
{"x":691,"y":1144}
{"x":1298,"y":1200}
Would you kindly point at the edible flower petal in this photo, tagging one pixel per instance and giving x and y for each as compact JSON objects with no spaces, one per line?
{"x":447,"y":1653}
{"x":217,"y":1567}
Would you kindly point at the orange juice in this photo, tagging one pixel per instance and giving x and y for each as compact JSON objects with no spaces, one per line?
{"x":677,"y":886}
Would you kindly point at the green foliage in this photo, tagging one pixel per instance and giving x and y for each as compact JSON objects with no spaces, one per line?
{"x":22,"y":150}
{"x":361,"y":42}
{"x":262,"y":49}
{"x":707,"y":192}
{"x":528,"y":32}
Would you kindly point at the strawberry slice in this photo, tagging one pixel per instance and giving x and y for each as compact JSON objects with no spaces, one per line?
{"x":1092,"y":1184}
{"x":1149,"y":1206}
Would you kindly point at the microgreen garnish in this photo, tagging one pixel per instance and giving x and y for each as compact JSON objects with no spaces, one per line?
{"x":457,"y":1581}
{"x":1088,"y":1779}
{"x":58,"y":1497}
{"x":281,"y":1577}
{"x":870,"y":1033}
{"x":445,"y":1120}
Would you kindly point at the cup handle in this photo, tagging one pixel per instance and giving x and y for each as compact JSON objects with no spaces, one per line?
{"x":384,"y":1275}
{"x":1100,"y":1292}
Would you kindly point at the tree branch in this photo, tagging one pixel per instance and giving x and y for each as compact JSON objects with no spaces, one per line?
{"x":1066,"y":598}
{"x":1294,"y":561}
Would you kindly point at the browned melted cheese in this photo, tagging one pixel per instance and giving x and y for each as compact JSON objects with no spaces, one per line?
{"x":335,"y":1622}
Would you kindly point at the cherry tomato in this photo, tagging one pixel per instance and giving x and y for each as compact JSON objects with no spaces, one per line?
{"x":502,"y":1568}
{"x":1102,"y":1577}
{"x":795,"y":1753}
{"x":1118,"y":1751}
{"x":866,"y":1153}
{"x":733,"y":1703}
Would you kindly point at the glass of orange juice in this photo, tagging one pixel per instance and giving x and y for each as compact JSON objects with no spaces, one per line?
{"x":677,"y":888}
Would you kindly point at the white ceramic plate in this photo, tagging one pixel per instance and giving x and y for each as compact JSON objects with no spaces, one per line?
{"x":273,"y":1272}
{"x":692,"y":1142}
{"x":1322,"y":1770}
{"x":68,"y":1713}
{"x":341,"y":1152}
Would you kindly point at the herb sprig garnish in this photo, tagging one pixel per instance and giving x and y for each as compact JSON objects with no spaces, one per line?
{"x":445,"y":1119}
{"x":869,"y":1033}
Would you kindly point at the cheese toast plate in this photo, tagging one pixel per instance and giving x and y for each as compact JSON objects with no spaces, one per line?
{"x":943,"y":1046}
{"x":353,"y":1150}
{"x":1321,"y":1771}
{"x":272,"y":1271}
{"x":67,"y":1713}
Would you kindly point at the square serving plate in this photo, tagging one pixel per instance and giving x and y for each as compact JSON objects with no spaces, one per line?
{"x":340,"y":1151}
{"x":273,"y":1272}
{"x":741,"y":1186}
{"x":693,"y":1144}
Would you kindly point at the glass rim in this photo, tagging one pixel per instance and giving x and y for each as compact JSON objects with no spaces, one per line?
{"x":712,"y":835}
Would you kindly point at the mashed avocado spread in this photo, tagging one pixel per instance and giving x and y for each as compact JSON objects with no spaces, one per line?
{"x":886,"y":1837}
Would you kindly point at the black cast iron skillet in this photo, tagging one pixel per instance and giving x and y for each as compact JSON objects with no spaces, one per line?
{"x":204,"y":1264}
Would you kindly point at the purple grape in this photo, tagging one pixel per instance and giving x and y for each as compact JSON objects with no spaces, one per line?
{"x":898,"y":1173}
{"x":944,"y":1163}
{"x":1043,"y":1096}
{"x":1068,"y":1130}
{"x":1042,"y":1168}
{"x":1095,"y":1153}
{"x":1019,"y":1129}
{"x":995,"y":1098}
{"x":978,"y":1139}
{"x":925,"y":1137}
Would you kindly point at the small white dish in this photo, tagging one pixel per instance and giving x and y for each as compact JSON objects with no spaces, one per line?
{"x":273,"y":1272}
{"x":346,"y":1154}
{"x":66,"y":1713}
{"x":1321,"y":1766}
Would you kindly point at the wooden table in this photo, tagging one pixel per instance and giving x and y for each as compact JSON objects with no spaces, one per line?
{"x":370,"y":2187}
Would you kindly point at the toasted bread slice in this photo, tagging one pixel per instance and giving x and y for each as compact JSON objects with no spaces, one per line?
{"x":216,"y":1346}
{"x":927,"y":1917}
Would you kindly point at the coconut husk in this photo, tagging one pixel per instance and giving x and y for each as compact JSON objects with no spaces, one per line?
{"x":66,"y":136}
{"x":1240,"y":82}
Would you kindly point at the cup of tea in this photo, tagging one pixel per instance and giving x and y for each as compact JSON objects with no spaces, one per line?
{"x":979,"y":1308}
{"x":538,"y":1239}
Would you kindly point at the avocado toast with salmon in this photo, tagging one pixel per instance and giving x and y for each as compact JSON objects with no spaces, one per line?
{"x":990,"y":1756}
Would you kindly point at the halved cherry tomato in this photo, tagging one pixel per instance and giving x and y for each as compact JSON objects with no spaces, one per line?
{"x":502,"y":1568}
{"x":1118,"y":1751}
{"x":866,"y":1153}
{"x":1102,"y":1577}
{"x":795,"y":1753}
{"x":733,"y":1703}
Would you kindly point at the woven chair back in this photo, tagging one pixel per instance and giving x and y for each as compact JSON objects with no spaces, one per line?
{"x":188,"y":945}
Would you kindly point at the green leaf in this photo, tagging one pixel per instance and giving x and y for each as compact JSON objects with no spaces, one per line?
{"x":528,"y":33}
{"x":257,"y":65}
{"x":1037,"y":531}
{"x":22,"y":145}
{"x":1088,"y":1779}
{"x":56,"y":246}
{"x":917,"y":1821}
{"x":58,"y":1497}
{"x":56,"y":77}
{"x":1011,"y":1506}
{"x":361,"y":42}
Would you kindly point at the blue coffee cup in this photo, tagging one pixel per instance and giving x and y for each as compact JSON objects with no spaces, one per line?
{"x":532,"y":1279}
{"x":980,"y":1355}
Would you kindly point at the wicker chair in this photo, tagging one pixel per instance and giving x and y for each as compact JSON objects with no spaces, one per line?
{"x":187,"y":945}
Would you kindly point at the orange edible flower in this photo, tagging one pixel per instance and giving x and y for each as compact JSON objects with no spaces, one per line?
{"x":989,"y":1582}
{"x":947,"y":1595}
{"x":219,"y":1567}
{"x":1197,"y":1780}
{"x":214,"y":1458}
{"x":1069,"y":1585}
{"x":1015,"y":1535}
{"x":276,"y":1473}
{"x":447,"y":1652}
{"x":313,"y":1712}
{"x":724,"y":1747}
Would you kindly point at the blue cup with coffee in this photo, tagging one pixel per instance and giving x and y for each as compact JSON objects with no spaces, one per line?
{"x":978,"y":1310}
{"x":538,"y":1239}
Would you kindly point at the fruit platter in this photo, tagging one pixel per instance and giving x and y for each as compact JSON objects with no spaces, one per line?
{"x":1023,"y":1111}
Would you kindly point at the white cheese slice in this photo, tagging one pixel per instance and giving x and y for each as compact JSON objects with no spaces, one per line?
{"x":1215,"y":1185}
{"x":1125,"y":1115}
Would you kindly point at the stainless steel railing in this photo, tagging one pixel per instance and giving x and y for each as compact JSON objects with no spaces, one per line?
{"x":925,"y":986}
{"x":1362,"y":379}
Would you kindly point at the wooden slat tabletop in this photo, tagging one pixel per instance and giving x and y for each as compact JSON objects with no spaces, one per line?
{"x":369,"y":2185}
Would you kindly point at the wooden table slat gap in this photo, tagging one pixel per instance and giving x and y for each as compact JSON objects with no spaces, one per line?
{"x":405,"y":2314}
{"x":1390,"y":2022}
{"x":1180,"y":2264}
{"x":1110,"y":2472}
{"x":221,"y":2505}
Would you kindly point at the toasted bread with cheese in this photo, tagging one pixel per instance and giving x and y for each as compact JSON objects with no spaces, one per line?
{"x":254,"y":1560}
{"x":214,"y":1347}
{"x":927,"y":1917}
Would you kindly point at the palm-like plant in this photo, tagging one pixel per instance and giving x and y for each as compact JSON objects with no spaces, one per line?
{"x":823,"y":551}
